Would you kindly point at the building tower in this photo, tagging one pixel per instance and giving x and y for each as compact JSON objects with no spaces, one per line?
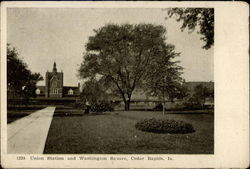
{"x":54,"y":83}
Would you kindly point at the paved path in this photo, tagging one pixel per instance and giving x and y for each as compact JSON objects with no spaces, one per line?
{"x":28,"y":134}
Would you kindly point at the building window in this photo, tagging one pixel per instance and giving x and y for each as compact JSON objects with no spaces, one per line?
{"x":70,"y":92}
{"x":54,"y":91}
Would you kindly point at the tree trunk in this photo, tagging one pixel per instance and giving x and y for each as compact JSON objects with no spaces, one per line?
{"x":127,"y":104}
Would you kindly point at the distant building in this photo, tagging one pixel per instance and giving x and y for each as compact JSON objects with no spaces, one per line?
{"x":54,"y":87}
{"x":140,"y":95}
{"x":141,"y":98}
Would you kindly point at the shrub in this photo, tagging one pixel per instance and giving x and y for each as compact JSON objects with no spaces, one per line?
{"x":101,"y":107}
{"x":164,"y":126}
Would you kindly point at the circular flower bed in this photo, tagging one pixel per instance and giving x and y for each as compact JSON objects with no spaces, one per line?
{"x":164,"y":126}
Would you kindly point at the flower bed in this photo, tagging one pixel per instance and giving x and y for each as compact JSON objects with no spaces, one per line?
{"x":164,"y":126}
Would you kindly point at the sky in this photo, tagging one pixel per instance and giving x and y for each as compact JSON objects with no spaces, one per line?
{"x":43,"y":36}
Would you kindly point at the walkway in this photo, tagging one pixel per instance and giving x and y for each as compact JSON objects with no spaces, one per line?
{"x":28,"y":135}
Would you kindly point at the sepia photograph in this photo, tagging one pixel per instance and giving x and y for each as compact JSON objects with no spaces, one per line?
{"x":111,"y":81}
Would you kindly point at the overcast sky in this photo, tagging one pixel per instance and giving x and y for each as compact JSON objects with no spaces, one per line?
{"x":43,"y":35}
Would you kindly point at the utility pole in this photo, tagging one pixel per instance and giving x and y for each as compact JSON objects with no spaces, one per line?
{"x":163,"y":93}
{"x":163,"y":100}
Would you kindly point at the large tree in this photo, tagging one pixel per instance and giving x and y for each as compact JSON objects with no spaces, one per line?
{"x":20,"y":80}
{"x":125,"y":55}
{"x":200,"y":18}
{"x":165,"y":81}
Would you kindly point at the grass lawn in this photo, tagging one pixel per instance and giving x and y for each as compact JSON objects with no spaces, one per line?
{"x":15,"y":113}
{"x":116,"y":134}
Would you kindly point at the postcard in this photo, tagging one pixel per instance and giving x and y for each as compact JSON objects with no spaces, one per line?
{"x":124,"y":84}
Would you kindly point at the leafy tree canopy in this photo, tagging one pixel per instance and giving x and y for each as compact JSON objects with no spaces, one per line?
{"x":165,"y":81}
{"x":199,"y":96}
{"x":93,"y":91}
{"x":20,"y":79}
{"x":125,"y":56}
{"x":203,"y":18}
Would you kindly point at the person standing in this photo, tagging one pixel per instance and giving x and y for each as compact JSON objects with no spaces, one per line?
{"x":87,"y":110}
